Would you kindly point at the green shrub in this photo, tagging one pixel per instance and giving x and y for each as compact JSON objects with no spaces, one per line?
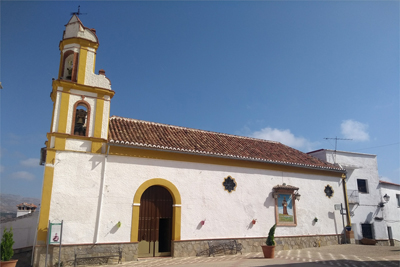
{"x":7,"y":242}
{"x":271,"y":236}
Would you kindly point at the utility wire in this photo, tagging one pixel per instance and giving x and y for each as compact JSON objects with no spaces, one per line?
{"x":377,"y":146}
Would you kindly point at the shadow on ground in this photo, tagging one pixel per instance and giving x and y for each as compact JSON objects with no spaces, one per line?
{"x":390,"y":263}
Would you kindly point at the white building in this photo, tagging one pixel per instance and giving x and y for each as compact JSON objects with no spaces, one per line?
{"x":391,"y":210}
{"x":368,"y":209}
{"x":156,"y":189}
{"x":25,"y":208}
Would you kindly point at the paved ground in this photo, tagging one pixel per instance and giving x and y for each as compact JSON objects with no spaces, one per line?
{"x":339,"y":255}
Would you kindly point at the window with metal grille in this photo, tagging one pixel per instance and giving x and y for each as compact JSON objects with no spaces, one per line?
{"x":362,"y":186}
{"x":367,"y":230}
{"x":398,"y":200}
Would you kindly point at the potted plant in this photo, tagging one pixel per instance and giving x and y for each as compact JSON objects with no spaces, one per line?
{"x":269,"y":248}
{"x":7,"y":242}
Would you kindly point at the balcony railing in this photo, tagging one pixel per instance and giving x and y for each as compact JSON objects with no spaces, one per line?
{"x":353,"y":196}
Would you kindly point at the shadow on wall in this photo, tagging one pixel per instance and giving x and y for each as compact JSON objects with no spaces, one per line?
{"x":269,"y":201}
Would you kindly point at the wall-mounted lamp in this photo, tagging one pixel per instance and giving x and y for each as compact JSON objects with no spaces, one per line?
{"x":386,"y":198}
{"x":297,"y":196}
{"x":275,"y":195}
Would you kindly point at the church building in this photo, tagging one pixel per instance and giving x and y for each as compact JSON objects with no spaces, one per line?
{"x":153,"y":189}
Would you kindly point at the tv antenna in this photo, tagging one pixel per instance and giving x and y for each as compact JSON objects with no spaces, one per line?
{"x":79,"y":12}
{"x":336,"y":139}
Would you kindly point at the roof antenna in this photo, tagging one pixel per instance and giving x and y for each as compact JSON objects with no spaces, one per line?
{"x":79,"y":12}
{"x":336,"y":139}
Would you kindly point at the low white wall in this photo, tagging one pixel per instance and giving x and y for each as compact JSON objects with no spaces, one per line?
{"x":76,"y":191}
{"x":24,"y":229}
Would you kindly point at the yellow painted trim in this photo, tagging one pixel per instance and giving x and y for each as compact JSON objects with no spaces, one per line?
{"x":63,"y":115}
{"x":81,"y":87}
{"x":52,"y":116}
{"x":79,"y":41}
{"x":46,"y":198}
{"x":71,"y":136}
{"x":96,"y":147}
{"x":94,"y":61}
{"x":99,"y":117}
{"x":61,"y":64}
{"x":135,"y":224}
{"x":176,"y":223}
{"x":82,"y":65}
{"x":59,"y":143}
{"x":346,"y":200}
{"x":156,"y":154}
{"x":176,"y":217}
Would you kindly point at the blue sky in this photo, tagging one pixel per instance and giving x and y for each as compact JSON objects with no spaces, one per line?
{"x":290,"y":71}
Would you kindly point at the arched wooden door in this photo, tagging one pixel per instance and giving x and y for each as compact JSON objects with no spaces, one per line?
{"x":155,"y":222}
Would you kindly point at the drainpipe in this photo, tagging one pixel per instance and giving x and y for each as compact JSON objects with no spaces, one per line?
{"x":346,"y":200}
{"x":103,"y":178}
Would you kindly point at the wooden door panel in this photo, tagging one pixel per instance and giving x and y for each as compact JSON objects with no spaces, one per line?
{"x":155,"y":222}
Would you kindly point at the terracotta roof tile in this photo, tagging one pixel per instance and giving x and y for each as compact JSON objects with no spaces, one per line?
{"x":137,"y":133}
{"x":29,"y":205}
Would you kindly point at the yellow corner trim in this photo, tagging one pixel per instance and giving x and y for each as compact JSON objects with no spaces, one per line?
{"x":46,"y":199}
{"x":176,"y":217}
{"x":99,"y":118}
{"x":82,"y":65}
{"x":96,"y":147}
{"x":63,"y":115}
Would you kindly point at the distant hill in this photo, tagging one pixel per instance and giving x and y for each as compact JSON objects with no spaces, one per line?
{"x":8,"y":202}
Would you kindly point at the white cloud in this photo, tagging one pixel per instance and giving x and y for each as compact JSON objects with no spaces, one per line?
{"x":284,"y":137}
{"x":355,"y":130}
{"x":31,"y":162}
{"x":22,"y":175}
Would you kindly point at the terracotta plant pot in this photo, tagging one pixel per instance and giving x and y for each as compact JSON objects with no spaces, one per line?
{"x":10,"y":263}
{"x":269,"y":251}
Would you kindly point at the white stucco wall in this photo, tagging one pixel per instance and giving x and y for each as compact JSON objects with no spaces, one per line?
{"x":57,"y":110}
{"x":391,"y":211}
{"x":24,"y":229}
{"x":106,"y":115}
{"x":76,"y":187}
{"x":91,"y":78}
{"x":78,"y":145}
{"x":360,"y":166}
{"x":74,"y":29}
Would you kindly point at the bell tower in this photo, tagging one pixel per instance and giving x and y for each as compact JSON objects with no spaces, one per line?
{"x":81,"y":97}
{"x":81,"y":110}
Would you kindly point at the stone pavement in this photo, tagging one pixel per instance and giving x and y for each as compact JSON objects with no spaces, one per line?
{"x":338,"y":255}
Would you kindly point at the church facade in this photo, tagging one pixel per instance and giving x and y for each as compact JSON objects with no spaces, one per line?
{"x":156,"y":190}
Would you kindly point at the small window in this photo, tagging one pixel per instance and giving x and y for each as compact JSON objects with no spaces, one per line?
{"x":398,"y":200}
{"x":362,"y":186}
